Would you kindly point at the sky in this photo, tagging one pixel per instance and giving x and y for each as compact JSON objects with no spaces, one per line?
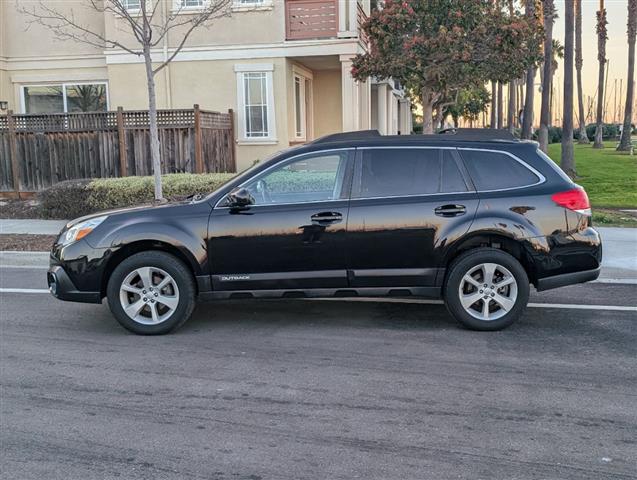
{"x":616,"y":50}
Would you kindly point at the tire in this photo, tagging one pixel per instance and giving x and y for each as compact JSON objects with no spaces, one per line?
{"x":505,"y":302}
{"x":140,"y":285}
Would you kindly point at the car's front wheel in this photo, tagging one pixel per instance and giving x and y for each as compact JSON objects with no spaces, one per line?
{"x":151,"y":293}
{"x":486,"y":289}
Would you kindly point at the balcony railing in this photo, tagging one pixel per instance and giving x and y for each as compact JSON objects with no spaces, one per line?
{"x":309,"y":19}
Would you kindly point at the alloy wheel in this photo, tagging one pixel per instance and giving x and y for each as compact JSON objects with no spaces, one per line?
{"x":488,"y":291}
{"x":149,"y":295}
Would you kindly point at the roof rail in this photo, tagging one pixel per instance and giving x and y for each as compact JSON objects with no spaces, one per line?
{"x":479,"y":134}
{"x":337,"y":137}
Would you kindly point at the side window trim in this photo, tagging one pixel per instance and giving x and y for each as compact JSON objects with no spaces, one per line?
{"x":345,"y":188}
{"x":358,"y":171}
{"x":471,"y":188}
{"x":541,"y":178}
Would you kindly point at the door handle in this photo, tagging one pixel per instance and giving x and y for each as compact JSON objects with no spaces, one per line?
{"x":450,"y":210}
{"x":325,"y":218}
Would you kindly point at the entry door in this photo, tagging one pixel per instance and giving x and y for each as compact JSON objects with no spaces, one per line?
{"x":404,"y":203}
{"x":293,"y":237}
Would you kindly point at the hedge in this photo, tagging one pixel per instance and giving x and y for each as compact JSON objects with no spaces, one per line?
{"x":75,"y":198}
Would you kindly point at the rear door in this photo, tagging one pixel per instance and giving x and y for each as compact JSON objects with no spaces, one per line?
{"x":405,"y":202}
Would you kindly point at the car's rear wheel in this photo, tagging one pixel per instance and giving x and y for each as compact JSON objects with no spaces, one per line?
{"x":486,"y":289}
{"x":151,"y":293}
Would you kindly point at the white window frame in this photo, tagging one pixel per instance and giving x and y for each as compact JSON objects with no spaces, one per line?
{"x":133,"y":10}
{"x":307,"y":111}
{"x":252,"y":5}
{"x":178,"y":8}
{"x":300,"y":135}
{"x":23,"y":105}
{"x":240,"y":71}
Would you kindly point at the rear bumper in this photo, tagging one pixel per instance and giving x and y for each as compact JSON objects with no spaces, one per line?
{"x":62,"y":287}
{"x":565,"y":279}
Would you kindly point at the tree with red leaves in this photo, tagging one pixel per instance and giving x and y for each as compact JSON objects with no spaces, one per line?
{"x":438,"y":47}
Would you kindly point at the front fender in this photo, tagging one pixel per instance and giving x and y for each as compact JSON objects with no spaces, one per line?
{"x":191,"y":243}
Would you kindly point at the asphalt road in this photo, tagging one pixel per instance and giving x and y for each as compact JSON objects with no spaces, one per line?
{"x":318,"y":390}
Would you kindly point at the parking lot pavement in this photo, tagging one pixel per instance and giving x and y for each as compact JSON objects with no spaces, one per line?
{"x":318,"y":390}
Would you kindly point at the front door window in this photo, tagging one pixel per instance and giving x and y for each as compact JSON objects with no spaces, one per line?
{"x":316,"y":178}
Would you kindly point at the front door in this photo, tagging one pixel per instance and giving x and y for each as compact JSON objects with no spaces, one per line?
{"x":293,"y":236}
{"x":405,"y":201}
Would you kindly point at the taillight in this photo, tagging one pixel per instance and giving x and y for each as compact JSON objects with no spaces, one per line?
{"x":574,"y":199}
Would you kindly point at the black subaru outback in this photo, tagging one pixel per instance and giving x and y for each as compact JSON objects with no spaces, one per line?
{"x":473,"y":217}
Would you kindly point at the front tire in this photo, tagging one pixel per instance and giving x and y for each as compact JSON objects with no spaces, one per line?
{"x":486,"y":289}
{"x":151,"y":293}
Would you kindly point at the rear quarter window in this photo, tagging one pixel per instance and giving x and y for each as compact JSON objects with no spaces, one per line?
{"x":494,"y":170}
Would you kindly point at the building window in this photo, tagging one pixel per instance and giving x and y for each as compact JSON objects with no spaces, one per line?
{"x":131,"y":5}
{"x":300,"y":114}
{"x":191,"y":3}
{"x":256,"y":102}
{"x":66,"y":97}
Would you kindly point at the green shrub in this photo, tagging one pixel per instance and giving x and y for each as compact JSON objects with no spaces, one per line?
{"x":76,"y":198}
{"x":66,"y":200}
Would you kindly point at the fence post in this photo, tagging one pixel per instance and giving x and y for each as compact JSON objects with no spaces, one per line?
{"x":233,"y":144}
{"x":13,"y":149}
{"x":198,"y":141}
{"x":121,"y":136}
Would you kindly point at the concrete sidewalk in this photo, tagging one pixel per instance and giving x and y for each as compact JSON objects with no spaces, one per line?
{"x":34,"y":227}
{"x":619,"y":263}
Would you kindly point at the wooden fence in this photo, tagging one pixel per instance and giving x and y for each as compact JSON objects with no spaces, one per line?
{"x":39,"y":150}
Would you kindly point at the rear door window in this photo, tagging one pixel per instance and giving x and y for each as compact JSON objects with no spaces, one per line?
{"x":397,"y":172}
{"x":495,"y":171}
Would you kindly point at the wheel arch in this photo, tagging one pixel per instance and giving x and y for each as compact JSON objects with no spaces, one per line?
{"x":519,"y":248}
{"x":144,"y":246}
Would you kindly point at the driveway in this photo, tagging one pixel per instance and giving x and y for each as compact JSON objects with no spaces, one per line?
{"x":303,"y":389}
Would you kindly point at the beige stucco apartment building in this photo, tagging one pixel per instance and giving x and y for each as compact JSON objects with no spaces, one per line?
{"x":283,"y":66}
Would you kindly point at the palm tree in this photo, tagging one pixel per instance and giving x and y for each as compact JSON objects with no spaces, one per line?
{"x":567,"y":162}
{"x":548,"y":13}
{"x":625,"y":142}
{"x":579,"y":61}
{"x":601,"y":57}
{"x":527,"y":117}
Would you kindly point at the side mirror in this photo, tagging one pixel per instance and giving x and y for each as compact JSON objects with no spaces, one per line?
{"x":240,"y":198}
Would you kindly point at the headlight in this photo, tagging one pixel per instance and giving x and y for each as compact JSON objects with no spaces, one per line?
{"x":81,"y":230}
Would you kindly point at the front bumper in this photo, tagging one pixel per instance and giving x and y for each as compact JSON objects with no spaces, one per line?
{"x":62,"y":288}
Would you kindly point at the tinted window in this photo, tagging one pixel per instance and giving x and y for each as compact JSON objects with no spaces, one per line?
{"x":388,"y":172}
{"x":493,"y":170}
{"x":452,"y":180}
{"x":309,"y":179}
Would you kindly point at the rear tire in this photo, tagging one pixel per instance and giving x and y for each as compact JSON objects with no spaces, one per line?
{"x":151,"y":293}
{"x":486,"y":289}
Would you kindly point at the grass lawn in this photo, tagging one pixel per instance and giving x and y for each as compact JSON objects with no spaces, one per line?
{"x":609,"y":177}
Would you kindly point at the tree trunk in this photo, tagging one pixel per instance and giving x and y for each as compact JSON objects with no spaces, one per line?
{"x":511,"y":107}
{"x":601,"y":57}
{"x":579,"y":61}
{"x":625,"y":142}
{"x":152,"y":118}
{"x":529,"y":99}
{"x":548,"y":8}
{"x":427,"y":112}
{"x":500,"y":124}
{"x":567,"y":161}
{"x":494,"y":104}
